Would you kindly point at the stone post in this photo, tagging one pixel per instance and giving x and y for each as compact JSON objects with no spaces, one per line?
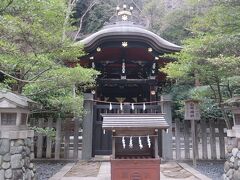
{"x":16,"y":153}
{"x":87,"y":127}
{"x":167,"y":153}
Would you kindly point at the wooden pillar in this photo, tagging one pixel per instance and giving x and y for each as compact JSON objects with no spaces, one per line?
{"x":156,"y":145}
{"x":194,"y":153}
{"x":113,"y":145}
{"x":167,"y":152}
{"x":76,"y":140}
{"x":49,"y":140}
{"x":40,"y":139}
{"x":87,"y":127}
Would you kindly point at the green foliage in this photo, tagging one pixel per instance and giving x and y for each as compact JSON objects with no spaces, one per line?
{"x":49,"y":132}
{"x":155,"y":11}
{"x":96,"y":18}
{"x":35,"y":52}
{"x":209,"y":49}
{"x":179,"y":92}
{"x":209,"y":107}
{"x":175,"y":25}
{"x":211,"y":56}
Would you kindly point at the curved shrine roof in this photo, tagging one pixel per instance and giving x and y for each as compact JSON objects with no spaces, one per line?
{"x":127,"y":31}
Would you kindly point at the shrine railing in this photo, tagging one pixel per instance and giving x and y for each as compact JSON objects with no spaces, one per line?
{"x":211,"y":138}
{"x":67,"y":142}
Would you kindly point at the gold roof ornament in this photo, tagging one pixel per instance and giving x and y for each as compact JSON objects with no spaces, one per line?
{"x":124,"y":12}
{"x":124,"y":44}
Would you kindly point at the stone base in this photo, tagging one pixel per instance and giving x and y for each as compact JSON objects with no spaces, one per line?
{"x":232,"y":164}
{"x":18,"y":134}
{"x":15,"y":159}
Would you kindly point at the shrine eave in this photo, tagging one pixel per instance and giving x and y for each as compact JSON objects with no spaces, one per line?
{"x":128,"y":33}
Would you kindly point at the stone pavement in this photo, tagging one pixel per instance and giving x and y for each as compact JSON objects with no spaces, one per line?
{"x":101,"y":171}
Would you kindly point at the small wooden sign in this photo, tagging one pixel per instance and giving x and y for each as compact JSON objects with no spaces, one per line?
{"x":192,"y":110}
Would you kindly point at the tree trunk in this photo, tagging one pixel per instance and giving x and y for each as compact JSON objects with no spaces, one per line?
{"x":227,"y":120}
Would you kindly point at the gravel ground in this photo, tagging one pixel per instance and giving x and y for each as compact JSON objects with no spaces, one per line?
{"x":212,"y":169}
{"x":45,"y":170}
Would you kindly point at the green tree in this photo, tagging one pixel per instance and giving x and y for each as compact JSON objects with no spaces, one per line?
{"x":212,"y":54}
{"x":36,"y":52}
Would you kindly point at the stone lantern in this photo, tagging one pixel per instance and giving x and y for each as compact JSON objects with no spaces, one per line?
{"x":16,"y":140}
{"x":232,"y":164}
{"x":234,"y":105}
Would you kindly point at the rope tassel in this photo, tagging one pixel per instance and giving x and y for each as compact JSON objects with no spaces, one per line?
{"x":110,"y":106}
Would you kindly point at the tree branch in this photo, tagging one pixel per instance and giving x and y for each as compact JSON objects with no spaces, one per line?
{"x":39,"y":74}
{"x":229,"y":89}
{"x":135,"y":4}
{"x":9,"y":3}
{"x":27,"y":71}
{"x":214,"y":92}
{"x":83,"y":16}
{"x":69,"y":10}
{"x":21,"y":80}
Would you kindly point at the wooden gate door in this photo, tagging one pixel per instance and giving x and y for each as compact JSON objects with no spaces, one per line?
{"x":102,"y":143}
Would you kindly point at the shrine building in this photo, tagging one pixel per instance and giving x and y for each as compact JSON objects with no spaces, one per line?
{"x":129,"y":57}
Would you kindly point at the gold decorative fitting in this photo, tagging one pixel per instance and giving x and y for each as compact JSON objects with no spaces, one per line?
{"x":99,"y":49}
{"x":153,"y":92}
{"x":149,"y":49}
{"x":124,"y":44}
